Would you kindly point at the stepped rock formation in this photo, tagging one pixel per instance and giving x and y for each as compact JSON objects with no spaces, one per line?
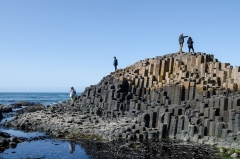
{"x":186,"y":96}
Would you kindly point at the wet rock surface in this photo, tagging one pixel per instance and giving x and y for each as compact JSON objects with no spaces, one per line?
{"x":7,"y":141}
{"x":19,"y":104}
{"x":28,"y":107}
{"x":5,"y":109}
{"x":31,"y":108}
{"x":148,"y":149}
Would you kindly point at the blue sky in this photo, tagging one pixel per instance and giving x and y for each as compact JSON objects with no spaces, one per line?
{"x":50,"y":45}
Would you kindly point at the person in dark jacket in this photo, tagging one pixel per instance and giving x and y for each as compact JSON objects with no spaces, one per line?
{"x":190,"y":44}
{"x":115,"y":62}
{"x":181,"y":41}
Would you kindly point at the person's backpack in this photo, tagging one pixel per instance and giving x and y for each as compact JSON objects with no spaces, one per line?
{"x":74,"y":92}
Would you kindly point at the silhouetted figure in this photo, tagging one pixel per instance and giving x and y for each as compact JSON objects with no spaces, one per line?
{"x":115,"y":62}
{"x":190,"y":44}
{"x":71,"y":147}
{"x":181,"y":41}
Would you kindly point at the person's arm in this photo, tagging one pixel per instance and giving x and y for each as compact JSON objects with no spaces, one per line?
{"x":185,"y":36}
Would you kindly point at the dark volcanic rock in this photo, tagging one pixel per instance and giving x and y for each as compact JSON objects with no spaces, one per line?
{"x":21,"y":103}
{"x":7,"y":141}
{"x":5,"y":109}
{"x":147,"y":149}
{"x":31,"y":108}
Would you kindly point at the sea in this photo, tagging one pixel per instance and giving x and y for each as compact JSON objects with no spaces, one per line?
{"x":43,"y":98}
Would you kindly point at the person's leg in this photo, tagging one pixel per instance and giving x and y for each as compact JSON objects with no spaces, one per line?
{"x":180,"y":49}
{"x":192,"y":49}
{"x":189,"y":48}
{"x":72,"y":99}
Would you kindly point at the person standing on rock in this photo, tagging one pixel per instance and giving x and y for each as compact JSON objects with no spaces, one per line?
{"x":190,"y":44}
{"x":181,"y":41}
{"x":115,"y":62}
{"x":72,"y":94}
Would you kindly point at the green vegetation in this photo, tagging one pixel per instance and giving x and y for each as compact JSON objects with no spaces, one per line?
{"x":227,"y":152}
{"x":237,"y":150}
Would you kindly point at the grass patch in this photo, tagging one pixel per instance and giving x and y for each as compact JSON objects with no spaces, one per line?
{"x":237,"y":150}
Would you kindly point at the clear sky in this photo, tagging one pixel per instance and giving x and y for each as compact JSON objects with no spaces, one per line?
{"x":51,"y":45}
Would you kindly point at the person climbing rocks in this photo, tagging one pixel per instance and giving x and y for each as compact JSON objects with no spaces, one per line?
{"x":72,"y":94}
{"x":190,"y":44}
{"x":115,"y":62}
{"x":181,"y":41}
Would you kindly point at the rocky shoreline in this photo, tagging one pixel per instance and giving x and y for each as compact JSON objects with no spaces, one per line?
{"x":148,"y":149}
{"x":65,"y":120}
{"x":188,"y":97}
{"x":7,"y":141}
{"x":97,"y":147}
{"x":10,"y":141}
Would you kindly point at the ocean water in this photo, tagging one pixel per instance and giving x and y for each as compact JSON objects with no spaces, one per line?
{"x":39,"y":149}
{"x":43,"y":98}
{"x":46,"y":149}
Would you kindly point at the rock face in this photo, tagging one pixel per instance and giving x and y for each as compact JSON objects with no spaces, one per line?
{"x":7,"y":141}
{"x":190,"y":97}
